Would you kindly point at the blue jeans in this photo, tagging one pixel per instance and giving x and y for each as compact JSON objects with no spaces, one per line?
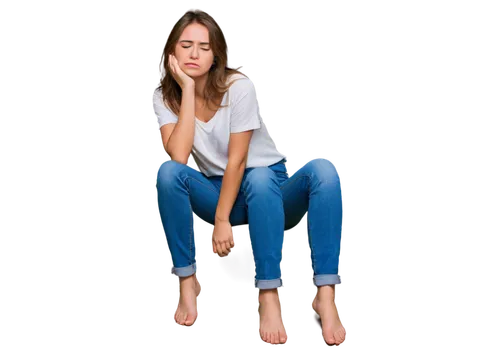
{"x":269,"y":202}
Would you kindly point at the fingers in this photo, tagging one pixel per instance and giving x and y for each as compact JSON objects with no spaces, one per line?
{"x":170,"y":63}
{"x":221,"y":248}
{"x":174,"y":65}
{"x":225,"y":249}
{"x":229,"y":243}
{"x":214,"y":244}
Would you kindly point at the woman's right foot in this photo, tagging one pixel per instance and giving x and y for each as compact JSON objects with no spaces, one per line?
{"x":186,"y":310}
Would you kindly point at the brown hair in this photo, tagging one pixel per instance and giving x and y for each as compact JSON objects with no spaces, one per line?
{"x":218,"y":73}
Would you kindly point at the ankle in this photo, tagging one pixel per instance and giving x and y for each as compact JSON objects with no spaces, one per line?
{"x":268,"y":294}
{"x":326,"y":290}
{"x":187,"y":280}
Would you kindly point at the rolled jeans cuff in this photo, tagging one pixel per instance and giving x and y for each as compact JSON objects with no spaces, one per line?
{"x":330,"y":279}
{"x":268,"y":284}
{"x":184,"y":271}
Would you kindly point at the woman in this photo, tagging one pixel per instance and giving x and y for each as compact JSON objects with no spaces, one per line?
{"x":211,"y":111}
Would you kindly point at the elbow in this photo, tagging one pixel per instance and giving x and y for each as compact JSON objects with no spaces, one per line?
{"x":178,"y":158}
{"x":240,"y":165}
{"x":176,"y":153}
{"x":175,"y":156}
{"x":180,"y":161}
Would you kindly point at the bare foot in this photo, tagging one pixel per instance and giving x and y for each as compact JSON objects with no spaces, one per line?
{"x":186,"y":310}
{"x":271,"y":325}
{"x":324,"y":305}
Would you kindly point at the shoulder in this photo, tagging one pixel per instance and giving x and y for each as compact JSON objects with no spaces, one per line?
{"x":157,"y":96}
{"x":241,"y":86}
{"x":158,"y":100}
{"x":163,"y":111}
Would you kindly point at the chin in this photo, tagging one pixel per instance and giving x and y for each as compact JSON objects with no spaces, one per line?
{"x":197,"y":73}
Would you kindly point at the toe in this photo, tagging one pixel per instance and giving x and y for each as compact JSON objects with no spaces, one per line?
{"x":282,"y":336}
{"x":182,"y":318}
{"x":340,"y":335}
{"x":268,"y":337}
{"x":265,"y":337}
{"x":277,"y":338}
{"x":271,"y":337}
{"x":189,"y":321}
{"x":330,"y":340}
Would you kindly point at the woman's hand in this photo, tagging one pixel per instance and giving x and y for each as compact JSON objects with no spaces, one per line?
{"x":222,"y":238}
{"x":179,"y":75}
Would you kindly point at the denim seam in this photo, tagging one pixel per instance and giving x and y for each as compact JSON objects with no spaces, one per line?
{"x":292,"y":180}
{"x":211,"y":188}
{"x":313,"y":256}
{"x":191,"y":239}
{"x":245,"y":195}
{"x":215,"y":191}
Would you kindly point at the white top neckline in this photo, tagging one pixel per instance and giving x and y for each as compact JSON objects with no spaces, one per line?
{"x":216,"y":113}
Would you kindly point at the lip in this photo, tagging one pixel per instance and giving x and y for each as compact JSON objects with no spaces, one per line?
{"x":190,"y":64}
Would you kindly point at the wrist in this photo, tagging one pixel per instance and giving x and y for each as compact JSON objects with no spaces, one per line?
{"x":188,"y":87}
{"x":221,"y":218}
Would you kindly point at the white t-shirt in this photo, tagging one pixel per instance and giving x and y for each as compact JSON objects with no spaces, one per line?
{"x":211,"y":139}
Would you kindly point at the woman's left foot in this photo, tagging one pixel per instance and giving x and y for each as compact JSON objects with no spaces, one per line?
{"x":324,"y":304}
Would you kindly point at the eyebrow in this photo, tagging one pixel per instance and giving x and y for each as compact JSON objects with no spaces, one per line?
{"x":201,"y":43}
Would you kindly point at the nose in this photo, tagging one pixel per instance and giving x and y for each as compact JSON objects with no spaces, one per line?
{"x":194,"y":53}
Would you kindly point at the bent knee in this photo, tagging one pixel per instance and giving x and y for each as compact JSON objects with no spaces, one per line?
{"x":167,"y":171}
{"x":260,"y":179}
{"x":324,"y":169}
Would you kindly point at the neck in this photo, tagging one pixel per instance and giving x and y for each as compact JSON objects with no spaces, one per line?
{"x":200,"y":83}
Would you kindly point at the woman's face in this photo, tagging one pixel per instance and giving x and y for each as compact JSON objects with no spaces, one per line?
{"x":193,"y":47}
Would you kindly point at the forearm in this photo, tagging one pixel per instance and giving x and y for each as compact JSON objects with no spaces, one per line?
{"x":230,"y":188}
{"x":181,"y":140}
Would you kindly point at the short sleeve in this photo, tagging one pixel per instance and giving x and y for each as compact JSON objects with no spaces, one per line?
{"x":244,"y":107}
{"x":164,"y":114}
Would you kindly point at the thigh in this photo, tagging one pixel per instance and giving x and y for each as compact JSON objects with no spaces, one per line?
{"x":295,"y":192}
{"x":204,"y":195}
{"x":239,"y":211}
{"x":177,"y":181}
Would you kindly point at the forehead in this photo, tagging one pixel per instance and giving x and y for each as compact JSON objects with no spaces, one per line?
{"x":195,"y":33}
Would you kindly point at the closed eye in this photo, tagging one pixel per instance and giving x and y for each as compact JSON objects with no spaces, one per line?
{"x":204,"y":49}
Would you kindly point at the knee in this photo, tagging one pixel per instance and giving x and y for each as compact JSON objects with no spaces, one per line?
{"x":168,"y":171}
{"x":324,"y":170}
{"x":259,"y":180}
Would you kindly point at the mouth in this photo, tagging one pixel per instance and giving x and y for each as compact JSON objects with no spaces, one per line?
{"x":189,"y":64}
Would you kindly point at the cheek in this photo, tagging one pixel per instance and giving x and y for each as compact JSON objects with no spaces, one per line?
{"x":207,"y":63}
{"x":182,"y":52}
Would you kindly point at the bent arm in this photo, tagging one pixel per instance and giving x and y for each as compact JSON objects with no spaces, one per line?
{"x":231,"y":181}
{"x":177,"y":139}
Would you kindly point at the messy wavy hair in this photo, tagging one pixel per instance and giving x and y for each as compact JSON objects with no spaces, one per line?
{"x":218,"y":74}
